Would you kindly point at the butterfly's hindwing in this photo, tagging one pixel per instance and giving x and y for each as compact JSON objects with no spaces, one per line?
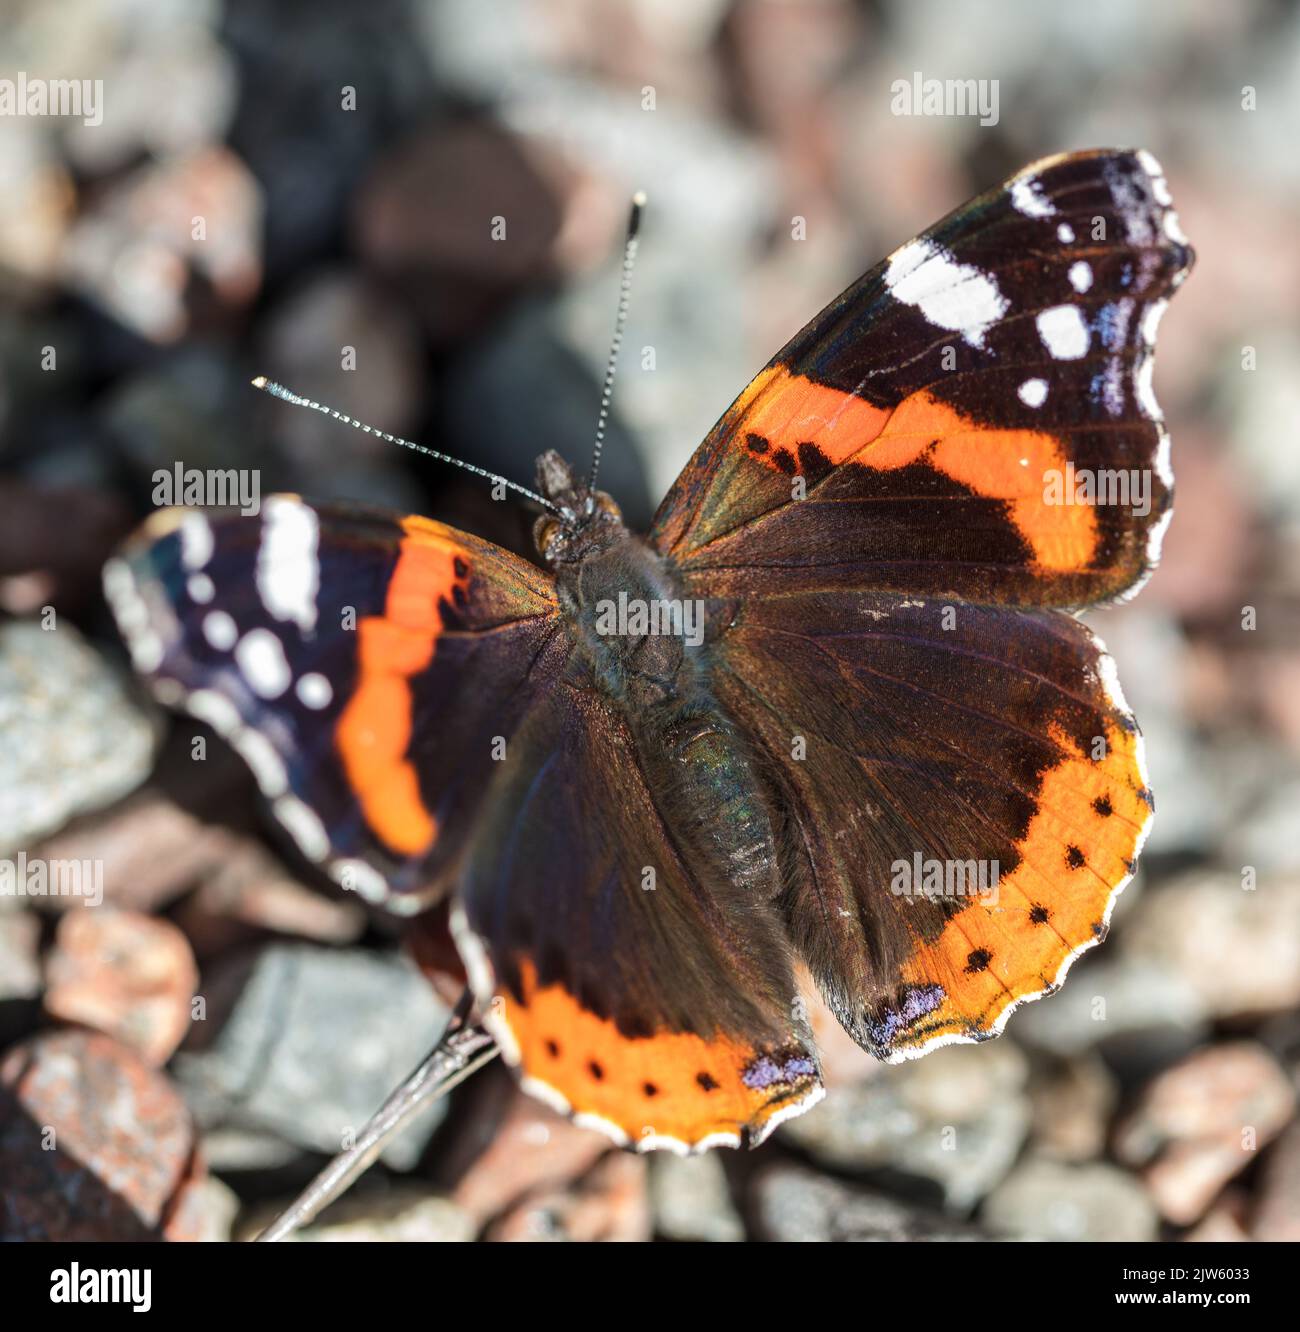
{"x":968,"y":792}
{"x":636,"y":987}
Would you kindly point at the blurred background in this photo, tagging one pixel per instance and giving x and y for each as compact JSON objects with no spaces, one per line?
{"x":306,"y":191}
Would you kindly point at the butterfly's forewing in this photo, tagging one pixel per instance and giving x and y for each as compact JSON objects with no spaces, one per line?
{"x":970,"y":796}
{"x":650,"y":1004}
{"x":911,"y":435}
{"x":363,"y":664}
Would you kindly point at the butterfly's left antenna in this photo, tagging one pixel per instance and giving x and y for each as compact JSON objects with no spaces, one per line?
{"x":625,"y":287}
{"x":287,"y":395}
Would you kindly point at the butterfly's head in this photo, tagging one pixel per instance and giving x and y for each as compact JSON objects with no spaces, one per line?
{"x":583,"y":521}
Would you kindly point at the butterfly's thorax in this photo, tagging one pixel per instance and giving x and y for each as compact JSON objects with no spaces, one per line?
{"x":630,"y":623}
{"x":646,"y":647}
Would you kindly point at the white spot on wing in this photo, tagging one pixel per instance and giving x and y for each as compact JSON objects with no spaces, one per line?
{"x":213,"y":710}
{"x":719,"y":1139}
{"x":258,"y":752}
{"x":1173,"y":230}
{"x":261,"y":658}
{"x":1151,"y":317}
{"x":663,"y":1142}
{"x":548,"y":1095}
{"x":196,"y":541}
{"x":1063,"y":332}
{"x":1065,"y":233}
{"x":169,"y":693}
{"x":288,"y":572}
{"x":599,"y":1124}
{"x":313,"y":690}
{"x":1033,"y":392}
{"x":1027,"y":197}
{"x":200,"y":588}
{"x":357,"y":876}
{"x":132,"y":616}
{"x":1109,"y":676}
{"x":220,"y":630}
{"x":950,"y":295}
{"x":1081,"y":276}
{"x":1159,"y":186}
{"x":1163,"y":468}
{"x":1156,"y":537}
{"x":1132,"y":204}
{"x":1145,"y":390}
{"x":788,"y":1111}
{"x":303,"y":826}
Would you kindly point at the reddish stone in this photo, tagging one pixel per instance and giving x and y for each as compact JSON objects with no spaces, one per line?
{"x":519,"y":1148}
{"x":94,"y":1144}
{"x":610,"y":1203}
{"x":128,"y":975}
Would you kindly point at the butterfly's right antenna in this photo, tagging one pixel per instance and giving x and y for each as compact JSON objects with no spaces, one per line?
{"x":296,"y":400}
{"x":625,"y":287}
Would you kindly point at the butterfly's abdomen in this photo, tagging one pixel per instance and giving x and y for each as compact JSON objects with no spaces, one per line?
{"x":716,"y":807}
{"x":648,"y":649}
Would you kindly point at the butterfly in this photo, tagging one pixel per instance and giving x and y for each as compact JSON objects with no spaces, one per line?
{"x":667,"y":782}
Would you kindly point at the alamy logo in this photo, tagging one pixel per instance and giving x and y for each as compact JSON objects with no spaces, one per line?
{"x":26,"y":96}
{"x":920,"y":96}
{"x":1127,"y":487}
{"x":108,"y":1285}
{"x":217,"y":488}
{"x":21,"y":877}
{"x":920,"y":877}
{"x":634,"y":617}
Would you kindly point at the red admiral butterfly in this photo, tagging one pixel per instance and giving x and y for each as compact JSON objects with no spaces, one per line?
{"x":667,"y":777}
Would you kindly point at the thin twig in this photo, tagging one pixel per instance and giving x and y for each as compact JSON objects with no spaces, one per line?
{"x":461,"y":1050}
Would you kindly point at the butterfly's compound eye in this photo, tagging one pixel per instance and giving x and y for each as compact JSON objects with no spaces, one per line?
{"x":607,"y":506}
{"x":545,"y":530}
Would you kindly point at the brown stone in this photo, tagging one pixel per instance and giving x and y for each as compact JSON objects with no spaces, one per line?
{"x":1238,"y":947}
{"x":425,"y":219}
{"x":1072,"y":1104}
{"x":532,"y":1150}
{"x":127,"y":975}
{"x":1224,"y":1223}
{"x":151,"y":850}
{"x":251,"y":895}
{"x":1201,"y":1122}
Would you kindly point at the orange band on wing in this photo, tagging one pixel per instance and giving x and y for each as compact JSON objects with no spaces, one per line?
{"x":374,"y":731}
{"x":780,"y":411}
{"x":785,"y":410}
{"x":1079,"y":848}
{"x":674,"y":1088}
